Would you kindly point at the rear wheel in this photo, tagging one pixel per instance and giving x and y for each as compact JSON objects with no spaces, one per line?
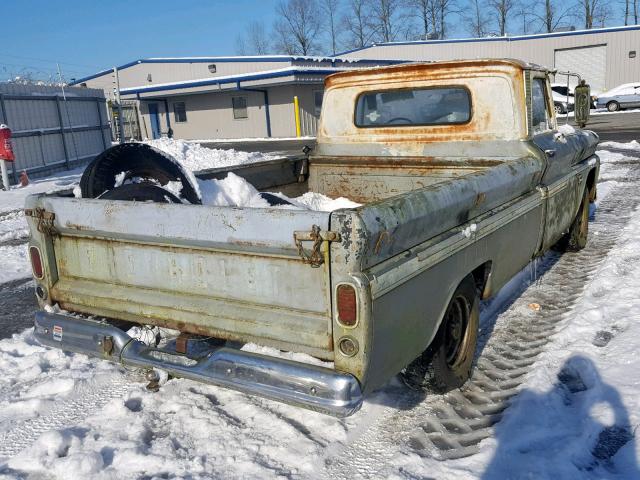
{"x":613,"y":106}
{"x":576,"y":238}
{"x":447,"y":363}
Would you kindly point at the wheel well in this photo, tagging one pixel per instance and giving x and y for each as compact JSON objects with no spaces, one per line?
{"x":591,"y":185}
{"x":481,"y":278}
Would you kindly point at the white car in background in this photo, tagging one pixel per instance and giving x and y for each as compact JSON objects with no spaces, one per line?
{"x":621,"y":97}
{"x":562,"y":103}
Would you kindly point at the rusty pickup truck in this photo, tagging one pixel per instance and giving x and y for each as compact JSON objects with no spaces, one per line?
{"x":464,"y":177}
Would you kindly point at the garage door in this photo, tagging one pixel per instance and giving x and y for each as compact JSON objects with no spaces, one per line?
{"x":589,"y":62}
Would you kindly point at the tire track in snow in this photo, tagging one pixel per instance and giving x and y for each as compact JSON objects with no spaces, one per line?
{"x":90,"y":396}
{"x":452,"y":425}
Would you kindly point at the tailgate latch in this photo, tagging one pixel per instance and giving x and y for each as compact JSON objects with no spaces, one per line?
{"x":314,"y":258}
{"x":45,"y":220}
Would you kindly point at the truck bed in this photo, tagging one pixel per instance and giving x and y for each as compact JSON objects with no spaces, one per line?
{"x":236,"y":273}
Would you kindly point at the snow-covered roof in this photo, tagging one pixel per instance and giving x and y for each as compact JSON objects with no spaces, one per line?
{"x":243,"y":77}
{"x":232,"y":59}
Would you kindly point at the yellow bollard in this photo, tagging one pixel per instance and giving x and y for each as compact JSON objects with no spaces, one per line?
{"x":296,"y":108}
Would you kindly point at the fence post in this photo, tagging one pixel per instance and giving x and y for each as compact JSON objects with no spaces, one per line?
{"x":3,"y":108}
{"x":296,"y":113}
{"x":64,"y":138}
{"x":104,"y":142}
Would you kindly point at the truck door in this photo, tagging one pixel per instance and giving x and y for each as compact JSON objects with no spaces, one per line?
{"x":560,"y":182}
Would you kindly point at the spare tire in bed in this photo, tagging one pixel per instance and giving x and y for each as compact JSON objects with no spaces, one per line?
{"x":140,"y":192}
{"x":137,"y":160}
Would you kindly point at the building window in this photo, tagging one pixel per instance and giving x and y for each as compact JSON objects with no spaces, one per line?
{"x":179,"y":112}
{"x":317,"y":102}
{"x":239,"y":107}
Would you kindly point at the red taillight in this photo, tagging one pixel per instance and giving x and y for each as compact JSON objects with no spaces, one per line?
{"x":36,"y":262}
{"x":347,"y":304}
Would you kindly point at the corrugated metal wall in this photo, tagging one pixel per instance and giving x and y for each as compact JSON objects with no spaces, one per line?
{"x":620,"y":67}
{"x":52,"y":132}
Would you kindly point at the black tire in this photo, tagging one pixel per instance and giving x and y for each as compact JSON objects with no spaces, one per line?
{"x":138,"y":160}
{"x":613,"y":106}
{"x":447,"y":363}
{"x":140,"y":192}
{"x":576,"y":238}
{"x":274,"y":199}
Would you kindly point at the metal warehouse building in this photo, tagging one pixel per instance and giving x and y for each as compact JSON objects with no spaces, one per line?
{"x":605,"y":57}
{"x":221,"y":97}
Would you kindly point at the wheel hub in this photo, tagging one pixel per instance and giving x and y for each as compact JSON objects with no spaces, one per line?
{"x":455,"y":330}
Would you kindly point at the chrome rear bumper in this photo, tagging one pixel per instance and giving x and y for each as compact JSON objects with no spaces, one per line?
{"x":309,"y":386}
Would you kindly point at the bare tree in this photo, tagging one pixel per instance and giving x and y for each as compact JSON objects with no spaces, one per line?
{"x":594,"y":12}
{"x":254,"y":41}
{"x":549,"y":14}
{"x":386,"y":18}
{"x":477,"y":19}
{"x":241,"y":45}
{"x":358,"y":24}
{"x":502,"y":10}
{"x":298,"y":26}
{"x":445,"y":9}
{"x":258,"y":38}
{"x":331,"y":11}
{"x":421,"y":9}
{"x":626,"y":12}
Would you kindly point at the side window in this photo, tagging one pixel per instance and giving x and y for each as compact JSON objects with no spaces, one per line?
{"x":239,"y":107}
{"x":539,"y":114}
{"x":317,"y":102}
{"x":179,"y":112}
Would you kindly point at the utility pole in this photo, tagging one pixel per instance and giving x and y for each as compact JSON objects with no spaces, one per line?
{"x":119,"y":106}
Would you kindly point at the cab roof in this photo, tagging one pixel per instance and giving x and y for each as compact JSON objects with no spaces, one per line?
{"x":426,"y":68}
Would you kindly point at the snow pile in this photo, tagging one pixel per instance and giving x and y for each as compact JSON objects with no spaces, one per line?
{"x":632,"y":145}
{"x":566,"y":129}
{"x":237,"y":192}
{"x":194,"y":156}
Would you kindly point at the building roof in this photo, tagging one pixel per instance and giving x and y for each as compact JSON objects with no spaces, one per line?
{"x":230,"y":59}
{"x":230,"y":79}
{"x":514,"y":38}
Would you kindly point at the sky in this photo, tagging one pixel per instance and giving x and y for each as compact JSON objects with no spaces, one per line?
{"x":86,"y":36}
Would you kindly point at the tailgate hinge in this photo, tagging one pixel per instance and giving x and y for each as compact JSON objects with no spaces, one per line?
{"x":315,"y":258}
{"x":45,"y":220}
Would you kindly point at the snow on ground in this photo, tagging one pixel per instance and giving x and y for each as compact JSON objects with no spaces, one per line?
{"x":632,"y":145}
{"x":600,"y":111}
{"x":13,"y":226}
{"x":66,"y":416}
{"x":15,"y":197}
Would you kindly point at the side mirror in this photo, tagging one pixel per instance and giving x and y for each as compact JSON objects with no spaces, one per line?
{"x":582,"y":99}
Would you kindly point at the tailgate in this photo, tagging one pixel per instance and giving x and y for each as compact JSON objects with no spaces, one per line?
{"x":232,"y":273}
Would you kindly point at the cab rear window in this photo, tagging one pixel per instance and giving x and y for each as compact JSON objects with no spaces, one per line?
{"x":424,"y":106}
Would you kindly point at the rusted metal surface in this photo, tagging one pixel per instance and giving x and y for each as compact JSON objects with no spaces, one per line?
{"x":486,"y":80}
